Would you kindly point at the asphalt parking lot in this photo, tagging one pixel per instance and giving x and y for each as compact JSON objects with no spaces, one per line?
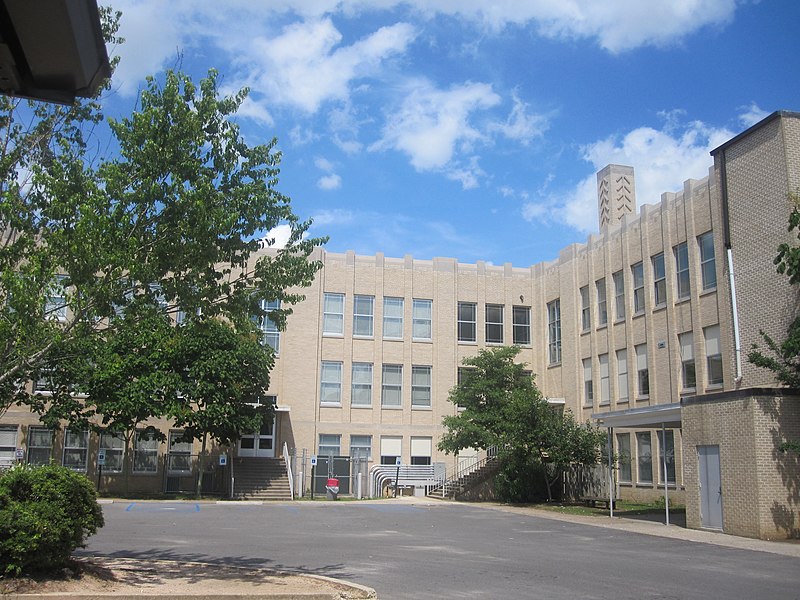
{"x":444,"y":550}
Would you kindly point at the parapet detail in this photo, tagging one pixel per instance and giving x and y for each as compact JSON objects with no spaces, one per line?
{"x":616,"y":194}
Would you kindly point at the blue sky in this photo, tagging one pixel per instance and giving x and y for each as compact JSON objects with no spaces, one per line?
{"x":474,"y":129}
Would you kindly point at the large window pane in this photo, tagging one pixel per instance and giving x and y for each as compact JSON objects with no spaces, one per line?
{"x":644,"y":457}
{"x":331,"y":383}
{"x":392,"y":386}
{"x":363,"y":315}
{"x":393,"y":318}
{"x":494,"y":323}
{"x":521,"y":316}
{"x":333,"y":314}
{"x":554,"y":331}
{"x":708,"y":266}
{"x":361,"y":392}
{"x":467,"y":322}
{"x":420,"y":387}
{"x":422,"y":319}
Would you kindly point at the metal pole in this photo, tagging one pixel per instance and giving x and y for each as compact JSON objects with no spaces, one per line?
{"x":664,"y":464}
{"x":610,"y":474}
{"x":313,"y":470}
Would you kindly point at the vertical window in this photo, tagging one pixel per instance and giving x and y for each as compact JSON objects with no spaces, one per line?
{"x":713,"y":355}
{"x":421,"y":387}
{"x":8,"y":445}
{"x":666,"y":448}
{"x":76,"y":450}
{"x":56,"y":303}
{"x":331,"y":383}
{"x":391,"y":449}
{"x":619,"y":295}
{"x":145,"y":453}
{"x":463,"y":375}
{"x":642,"y":372}
{"x":494,"y":323}
{"x":392,"y":386}
{"x":40,"y":446}
{"x":588,"y":384}
{"x":393,"y":318}
{"x":602,"y":307}
{"x":708,"y":266}
{"x":682,"y":270}
{"x":361,"y":385}
{"x":622,"y":375}
{"x":114,"y":445}
{"x":271,"y":335}
{"x":659,"y":280}
{"x":645,"y":457}
{"x":605,"y":387}
{"x":333,"y":314}
{"x":422,"y":313}
{"x":554,"y":331}
{"x":363,"y":315}
{"x":421,"y":450}
{"x":521,"y":320}
{"x":179,"y":458}
{"x":637,"y":271}
{"x":361,"y":447}
{"x":586,"y":315}
{"x":624,"y":457}
{"x":329,"y":444}
{"x":467,"y":321}
{"x":686,"y":345}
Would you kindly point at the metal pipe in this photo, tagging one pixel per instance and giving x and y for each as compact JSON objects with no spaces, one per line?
{"x":610,"y":473}
{"x":736,"y":339}
{"x":664,"y":466}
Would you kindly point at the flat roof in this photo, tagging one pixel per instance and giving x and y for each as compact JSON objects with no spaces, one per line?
{"x":668,"y":415}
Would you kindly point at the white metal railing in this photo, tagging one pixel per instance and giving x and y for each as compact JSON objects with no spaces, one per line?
{"x":449,"y":484}
{"x":288,"y":461}
{"x":416,"y":475}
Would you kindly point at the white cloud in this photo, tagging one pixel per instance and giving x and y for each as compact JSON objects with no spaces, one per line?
{"x":521,"y":125}
{"x":278,"y":237}
{"x":333,"y":217}
{"x":329,"y":182}
{"x":323,"y":163}
{"x":662,"y":160}
{"x":752,"y":114}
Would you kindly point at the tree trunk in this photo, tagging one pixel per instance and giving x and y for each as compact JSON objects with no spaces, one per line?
{"x":201,"y":465}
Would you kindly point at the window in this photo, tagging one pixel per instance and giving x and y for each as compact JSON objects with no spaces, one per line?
{"x":467,"y":321}
{"x":361,"y":385}
{"x":463,"y":374}
{"x":40,"y":446}
{"x":329,"y":445}
{"x":642,"y":372}
{"x":393,"y":318}
{"x":333,"y":314}
{"x":605,"y":387}
{"x":602,"y":307}
{"x":645,"y":457}
{"x":666,"y":449}
{"x":361,"y":447}
{"x":659,"y":280}
{"x":363,"y":315}
{"x":331,"y":383}
{"x":392,"y":386}
{"x":554,"y":331}
{"x":624,"y":457}
{"x":76,"y":450}
{"x":114,"y":445}
{"x":586,"y":315}
{"x":494,"y":323}
{"x":682,"y":270}
{"x":56,"y":304}
{"x":421,"y":450}
{"x":708,"y":266}
{"x":619,"y":295}
{"x":179,"y":458}
{"x":685,"y":343}
{"x":421,"y":387}
{"x":637,"y":271}
{"x":588,"y":388}
{"x":8,"y":445}
{"x":421,"y":328}
{"x":272,"y":337}
{"x":521,"y":320}
{"x":391,"y":449}
{"x":622,"y":375}
{"x":713,"y":355}
{"x":145,"y":452}
{"x":44,"y":381}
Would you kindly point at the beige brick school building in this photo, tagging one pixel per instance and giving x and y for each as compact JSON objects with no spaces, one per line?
{"x":643,"y":329}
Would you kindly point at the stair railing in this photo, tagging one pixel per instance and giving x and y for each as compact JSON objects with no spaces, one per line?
{"x":449,"y":485}
{"x":287,"y":460}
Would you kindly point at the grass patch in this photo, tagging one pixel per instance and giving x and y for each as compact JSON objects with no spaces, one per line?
{"x":622,"y":509}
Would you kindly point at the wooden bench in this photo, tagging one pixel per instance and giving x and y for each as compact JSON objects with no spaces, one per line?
{"x":594,"y":501}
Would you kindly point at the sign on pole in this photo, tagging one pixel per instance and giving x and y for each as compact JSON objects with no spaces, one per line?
{"x":314,"y":461}
{"x":101,"y":457}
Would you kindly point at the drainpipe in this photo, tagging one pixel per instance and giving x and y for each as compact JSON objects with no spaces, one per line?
{"x":736,"y":339}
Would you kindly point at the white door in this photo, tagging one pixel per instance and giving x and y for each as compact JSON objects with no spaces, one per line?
{"x":260,"y":444}
{"x":710,"y":487}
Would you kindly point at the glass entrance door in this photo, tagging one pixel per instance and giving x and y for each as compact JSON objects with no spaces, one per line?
{"x":259,"y":444}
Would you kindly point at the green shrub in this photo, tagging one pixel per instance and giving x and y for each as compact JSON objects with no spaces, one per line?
{"x":45,"y":513}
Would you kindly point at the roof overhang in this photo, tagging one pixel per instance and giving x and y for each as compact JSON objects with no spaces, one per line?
{"x":668,"y":415}
{"x":556,"y":401}
{"x":51,"y":50}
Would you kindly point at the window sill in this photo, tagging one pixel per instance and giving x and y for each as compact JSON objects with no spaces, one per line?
{"x":361,"y":406}
{"x":422,"y":340}
{"x":585,"y":331}
{"x":332,"y":335}
{"x":712,"y":290}
{"x":603,"y":326}
{"x":330,"y":405}
{"x":424,"y":408}
{"x":623,"y":401}
{"x":644,"y":484}
{"x":680,"y":301}
{"x":638,"y":313}
{"x":659,"y":307}
{"x":494,"y":343}
{"x":554,"y":365}
{"x":468,"y":342}
{"x":714,"y":387}
{"x":391,"y":407}
{"x":363,"y":337}
{"x":619,"y":321}
{"x":392,"y":339}
{"x":643,"y":398}
{"x":688,"y":391}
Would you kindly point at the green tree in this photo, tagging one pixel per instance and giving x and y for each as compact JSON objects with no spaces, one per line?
{"x":501,"y":407}
{"x":783,"y":358}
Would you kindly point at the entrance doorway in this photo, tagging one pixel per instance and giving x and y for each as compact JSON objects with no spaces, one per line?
{"x":260,"y":444}
{"x":710,"y":487}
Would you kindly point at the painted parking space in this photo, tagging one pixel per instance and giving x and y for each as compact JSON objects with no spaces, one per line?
{"x":180,"y":507}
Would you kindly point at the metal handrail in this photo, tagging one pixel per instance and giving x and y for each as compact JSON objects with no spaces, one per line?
{"x":286,"y":459}
{"x":451,"y":483}
{"x":421,"y":475}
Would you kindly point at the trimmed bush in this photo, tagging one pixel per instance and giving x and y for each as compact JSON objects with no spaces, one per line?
{"x":45,"y":513}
